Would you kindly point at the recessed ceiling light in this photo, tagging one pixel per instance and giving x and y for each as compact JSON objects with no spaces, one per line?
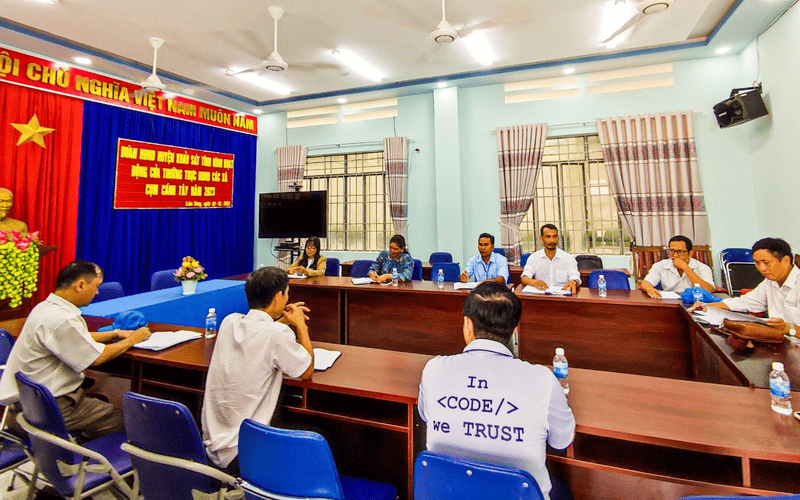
{"x":85,"y":61}
{"x":479,"y":48}
{"x":569,"y":71}
{"x":358,"y":64}
{"x":723,"y":50}
{"x":341,"y":100}
{"x":257,"y":111}
{"x":441,"y":85}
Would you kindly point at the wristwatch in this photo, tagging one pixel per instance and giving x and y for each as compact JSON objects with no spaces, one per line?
{"x":792,"y":331}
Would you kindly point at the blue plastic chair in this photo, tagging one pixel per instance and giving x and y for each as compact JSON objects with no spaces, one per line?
{"x":451,"y":271}
{"x":524,"y":259}
{"x":74,"y":471}
{"x":500,"y":251}
{"x":167,"y":451}
{"x":332,"y":267}
{"x":615,"y":280}
{"x":735,"y":255}
{"x":297,"y":464}
{"x":440,"y":257}
{"x":163,"y":279}
{"x":360,"y":268}
{"x":12,"y":449}
{"x":416,"y":273}
{"x":108,"y":291}
{"x":438,"y":476}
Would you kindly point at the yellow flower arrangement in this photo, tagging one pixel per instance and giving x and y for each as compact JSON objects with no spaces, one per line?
{"x":190,"y":270}
{"x":19,"y":266}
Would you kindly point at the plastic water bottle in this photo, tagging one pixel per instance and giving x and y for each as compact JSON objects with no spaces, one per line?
{"x":211,"y":324}
{"x":697,"y":293}
{"x":780,"y":387}
{"x":601,"y":286}
{"x":395,"y":277}
{"x":561,"y":369}
{"x":440,"y":279}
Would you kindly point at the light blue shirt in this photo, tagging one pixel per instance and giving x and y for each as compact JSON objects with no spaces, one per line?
{"x":478,"y":270}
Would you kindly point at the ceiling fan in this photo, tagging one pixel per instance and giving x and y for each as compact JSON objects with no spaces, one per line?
{"x":152,"y":83}
{"x":444,"y":32}
{"x":274,"y":62}
{"x":645,"y":8}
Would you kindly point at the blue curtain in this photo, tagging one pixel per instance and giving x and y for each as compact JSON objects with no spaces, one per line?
{"x":132,"y":244}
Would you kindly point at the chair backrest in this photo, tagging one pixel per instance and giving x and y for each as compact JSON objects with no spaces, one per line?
{"x":163,"y":279}
{"x":6,"y":344}
{"x":109,"y":290}
{"x":440,"y":257}
{"x":438,"y":476}
{"x":524,"y":259}
{"x":740,"y":276}
{"x":416,"y":273}
{"x":451,"y":271}
{"x":287,"y":462}
{"x":332,"y":267}
{"x":589,"y":262}
{"x":499,"y":250}
{"x":735,"y":255}
{"x":615,"y":280}
{"x":644,"y":258}
{"x":702,"y":253}
{"x":41,"y":411}
{"x":360,"y":268}
{"x":167,"y":428}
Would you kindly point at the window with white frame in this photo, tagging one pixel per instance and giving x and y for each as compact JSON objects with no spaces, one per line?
{"x":572,"y":192}
{"x":358,"y":203}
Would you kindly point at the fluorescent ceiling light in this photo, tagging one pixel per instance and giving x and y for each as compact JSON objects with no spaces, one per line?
{"x":257,"y":111}
{"x":264,"y":83}
{"x":569,"y":71}
{"x":358,"y":64}
{"x":168,"y":95}
{"x":723,"y":50}
{"x":47,"y":1}
{"x":85,"y":61}
{"x":441,"y":85}
{"x":341,"y":100}
{"x":479,"y":48}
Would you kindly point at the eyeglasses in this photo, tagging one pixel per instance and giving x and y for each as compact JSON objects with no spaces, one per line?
{"x":672,"y":251}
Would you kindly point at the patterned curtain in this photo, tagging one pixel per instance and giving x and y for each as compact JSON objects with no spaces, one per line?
{"x":651,"y":162}
{"x":519,"y":156}
{"x":395,"y":158}
{"x":291,"y":162}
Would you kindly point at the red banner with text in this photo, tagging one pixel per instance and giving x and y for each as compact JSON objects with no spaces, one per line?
{"x":31,"y":71}
{"x":159,"y":176}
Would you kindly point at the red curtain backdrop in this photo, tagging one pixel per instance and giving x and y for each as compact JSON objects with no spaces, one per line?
{"x":44,"y":181}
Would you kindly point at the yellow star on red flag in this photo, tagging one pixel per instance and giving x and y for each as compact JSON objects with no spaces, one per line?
{"x":32,"y":131}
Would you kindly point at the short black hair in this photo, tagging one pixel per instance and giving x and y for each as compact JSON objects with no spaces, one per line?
{"x":77,"y":270}
{"x":400,"y":241}
{"x":547,"y":226}
{"x":494,"y":311}
{"x":776,"y":246}
{"x":680,"y":237}
{"x":486,"y":235}
{"x":263,"y":285}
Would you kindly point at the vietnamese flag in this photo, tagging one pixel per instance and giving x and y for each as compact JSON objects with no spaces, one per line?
{"x":40,"y":162}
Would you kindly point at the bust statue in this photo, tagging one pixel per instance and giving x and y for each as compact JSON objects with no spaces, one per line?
{"x":7,"y":223}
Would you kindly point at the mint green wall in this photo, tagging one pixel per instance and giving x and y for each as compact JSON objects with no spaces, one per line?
{"x":747,"y":171}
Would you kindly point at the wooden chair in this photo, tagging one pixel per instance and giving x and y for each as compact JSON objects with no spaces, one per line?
{"x":645,"y":257}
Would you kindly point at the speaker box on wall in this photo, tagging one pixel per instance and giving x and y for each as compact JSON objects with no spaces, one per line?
{"x":742,"y":106}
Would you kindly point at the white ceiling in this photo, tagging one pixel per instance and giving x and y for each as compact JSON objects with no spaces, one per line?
{"x":530,"y":39}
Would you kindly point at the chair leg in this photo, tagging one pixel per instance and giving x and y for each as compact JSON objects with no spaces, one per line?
{"x":32,"y":484}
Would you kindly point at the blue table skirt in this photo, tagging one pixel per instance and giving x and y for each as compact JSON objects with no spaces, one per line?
{"x":169,"y":305}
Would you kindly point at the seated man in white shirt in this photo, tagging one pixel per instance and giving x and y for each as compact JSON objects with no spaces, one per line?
{"x":778,"y":294}
{"x":485,"y":405}
{"x":251,"y":354}
{"x":679,"y":272}
{"x":551,"y":266}
{"x":487,"y":265}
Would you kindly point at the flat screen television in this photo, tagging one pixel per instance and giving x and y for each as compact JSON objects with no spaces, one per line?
{"x":293,"y":215}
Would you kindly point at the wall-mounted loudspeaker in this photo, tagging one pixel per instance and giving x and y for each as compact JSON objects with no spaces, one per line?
{"x":742,"y":106}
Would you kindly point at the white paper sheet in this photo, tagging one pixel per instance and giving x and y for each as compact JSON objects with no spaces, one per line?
{"x":162,"y":340}
{"x":714,"y":316}
{"x":361,"y":281}
{"x":297,"y":276}
{"x":670,"y":295}
{"x":553,"y":290}
{"x":324,"y":358}
{"x":465,"y":286}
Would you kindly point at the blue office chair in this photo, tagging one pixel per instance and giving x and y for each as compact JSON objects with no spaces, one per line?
{"x":74,"y":471}
{"x":440,"y":257}
{"x":615,"y":280}
{"x":167,"y":451}
{"x":451,"y":271}
{"x":438,"y":476}
{"x":416,"y":273}
{"x":499,"y":250}
{"x":735,"y":255}
{"x":360,"y":268}
{"x":12,"y":449}
{"x":297,"y":464}
{"x":108,"y":291}
{"x":163,"y":279}
{"x":524,"y":259}
{"x":332,"y":267}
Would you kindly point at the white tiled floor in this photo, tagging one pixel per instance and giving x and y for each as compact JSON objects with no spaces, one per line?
{"x":21,"y":489}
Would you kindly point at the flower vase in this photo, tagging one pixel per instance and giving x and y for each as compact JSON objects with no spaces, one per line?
{"x":188,"y":286}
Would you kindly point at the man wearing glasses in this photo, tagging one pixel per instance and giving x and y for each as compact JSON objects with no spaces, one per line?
{"x":679,"y":271}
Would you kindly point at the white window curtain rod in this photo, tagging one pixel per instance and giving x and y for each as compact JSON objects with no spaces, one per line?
{"x":584,"y":124}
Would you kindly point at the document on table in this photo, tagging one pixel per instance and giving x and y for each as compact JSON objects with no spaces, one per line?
{"x":465,"y":286}
{"x":714,"y":316}
{"x":323,"y":358}
{"x":553,"y":290}
{"x":670,"y":295}
{"x":297,"y":276}
{"x":162,"y":340}
{"x":362,"y":281}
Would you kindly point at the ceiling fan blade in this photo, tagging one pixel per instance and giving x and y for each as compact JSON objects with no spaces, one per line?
{"x":251,"y":70}
{"x":140,"y":93}
{"x":632,"y":21}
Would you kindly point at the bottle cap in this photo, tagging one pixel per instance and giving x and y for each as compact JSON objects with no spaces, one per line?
{"x":212,"y":310}
{"x":696,"y":285}
{"x":559,"y":351}
{"x":777,"y":365}
{"x":602,"y":276}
